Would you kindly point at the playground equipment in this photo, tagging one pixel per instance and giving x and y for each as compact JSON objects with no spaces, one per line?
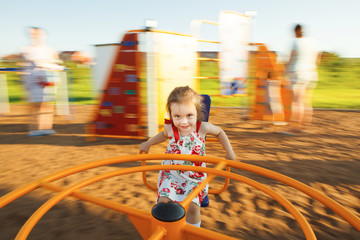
{"x":149,"y":63}
{"x":157,"y":225}
{"x":272,"y":95}
{"x":234,"y":37}
{"x":129,"y":105}
{"x":135,"y":77}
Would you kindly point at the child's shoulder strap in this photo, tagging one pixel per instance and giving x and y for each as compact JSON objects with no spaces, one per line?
{"x":198,"y":124}
{"x":175,"y":130}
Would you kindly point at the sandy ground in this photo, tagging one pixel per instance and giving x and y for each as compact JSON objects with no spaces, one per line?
{"x":326,"y":159}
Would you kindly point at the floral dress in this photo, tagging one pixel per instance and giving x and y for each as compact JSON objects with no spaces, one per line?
{"x":176,"y":184}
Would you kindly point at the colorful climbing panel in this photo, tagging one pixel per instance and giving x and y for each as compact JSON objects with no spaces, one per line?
{"x":119,"y":109}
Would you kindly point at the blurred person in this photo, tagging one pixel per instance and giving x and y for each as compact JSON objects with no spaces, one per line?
{"x":186,"y":134}
{"x":274,"y":81}
{"x":302,"y":69}
{"x":40,"y":61}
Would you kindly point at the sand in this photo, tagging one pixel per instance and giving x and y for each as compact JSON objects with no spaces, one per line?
{"x":326,"y":158}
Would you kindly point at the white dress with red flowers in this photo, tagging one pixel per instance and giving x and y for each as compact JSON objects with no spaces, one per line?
{"x":175,"y":184}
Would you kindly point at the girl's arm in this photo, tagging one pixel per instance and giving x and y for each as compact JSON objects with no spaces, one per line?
{"x":158,"y":138}
{"x":211,"y":129}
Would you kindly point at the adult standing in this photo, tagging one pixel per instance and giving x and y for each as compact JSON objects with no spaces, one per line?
{"x":40,"y":82}
{"x":302,"y":68}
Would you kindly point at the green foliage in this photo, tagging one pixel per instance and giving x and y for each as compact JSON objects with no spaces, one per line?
{"x":339,"y":83}
{"x":330,"y":59}
{"x":81,"y":73}
{"x":80,"y":87}
{"x":338,"y":86}
{"x":79,"y":79}
{"x":16,"y":92}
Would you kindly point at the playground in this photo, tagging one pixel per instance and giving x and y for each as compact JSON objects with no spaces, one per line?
{"x":89,"y":182}
{"x":326,"y":159}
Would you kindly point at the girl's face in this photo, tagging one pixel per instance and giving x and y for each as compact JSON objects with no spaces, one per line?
{"x":184,"y":117}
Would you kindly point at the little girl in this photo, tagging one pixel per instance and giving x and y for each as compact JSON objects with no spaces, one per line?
{"x":186,"y":134}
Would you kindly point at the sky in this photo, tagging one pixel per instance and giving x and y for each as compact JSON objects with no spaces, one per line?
{"x":78,"y":25}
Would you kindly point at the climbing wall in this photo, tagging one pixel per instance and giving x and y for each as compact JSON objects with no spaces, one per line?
{"x":119,"y":109}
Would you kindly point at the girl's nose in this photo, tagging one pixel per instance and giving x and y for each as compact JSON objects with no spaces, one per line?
{"x":184,"y":120}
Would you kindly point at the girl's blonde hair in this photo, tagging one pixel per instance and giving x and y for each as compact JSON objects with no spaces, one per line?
{"x":185,"y":95}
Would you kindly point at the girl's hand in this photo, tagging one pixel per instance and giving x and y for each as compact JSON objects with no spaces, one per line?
{"x":144,"y":148}
{"x":230,"y":156}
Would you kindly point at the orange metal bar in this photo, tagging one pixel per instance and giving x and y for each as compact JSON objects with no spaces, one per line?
{"x":215,"y":77}
{"x":226,"y":184}
{"x":297,"y":215}
{"x":147,"y":184}
{"x":159,"y":233}
{"x":173,"y":33}
{"x":28,"y":226}
{"x":25,"y":230}
{"x":330,"y":203}
{"x":207,"y":41}
{"x":195,"y":233}
{"x":239,"y":95}
{"x":343,"y":212}
{"x":207,"y":21}
{"x":211,"y":191}
{"x":139,"y":218}
{"x":90,"y":132}
{"x":223,"y":96}
{"x":333,"y":205}
{"x":101,"y":202}
{"x":6,"y":199}
{"x":208,"y":59}
{"x":189,"y":230}
{"x":256,"y":44}
{"x":160,"y":31}
{"x":240,"y":14}
{"x":173,"y":229}
{"x":186,"y":202}
{"x":12,"y":196}
{"x":228,"y":96}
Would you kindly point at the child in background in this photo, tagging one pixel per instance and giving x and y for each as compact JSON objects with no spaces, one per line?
{"x":39,"y":81}
{"x":186,"y":133}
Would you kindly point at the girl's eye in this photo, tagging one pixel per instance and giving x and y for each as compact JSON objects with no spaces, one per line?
{"x":190,"y":115}
{"x":177,"y":116}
